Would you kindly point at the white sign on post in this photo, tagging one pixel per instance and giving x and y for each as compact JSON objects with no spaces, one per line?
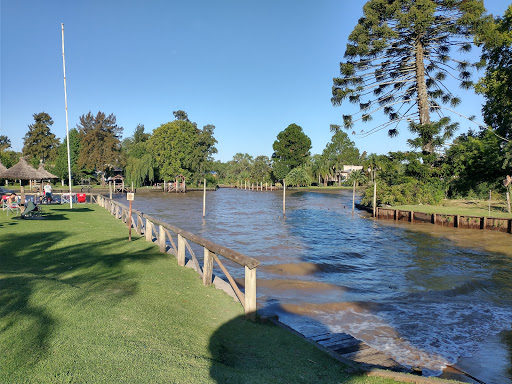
{"x":130,"y":196}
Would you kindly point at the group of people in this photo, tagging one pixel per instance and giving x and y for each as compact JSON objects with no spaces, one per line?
{"x":47,"y":193}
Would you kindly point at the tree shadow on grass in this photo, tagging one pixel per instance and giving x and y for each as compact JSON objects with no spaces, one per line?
{"x":81,"y":209}
{"x":247,"y":352}
{"x":80,"y":272}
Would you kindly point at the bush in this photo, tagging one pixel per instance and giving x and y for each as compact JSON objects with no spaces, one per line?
{"x":411,"y":192}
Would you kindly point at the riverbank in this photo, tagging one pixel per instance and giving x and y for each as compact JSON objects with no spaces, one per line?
{"x":81,"y":303}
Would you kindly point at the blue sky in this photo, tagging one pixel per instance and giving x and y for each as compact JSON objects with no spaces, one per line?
{"x":250,"y":68}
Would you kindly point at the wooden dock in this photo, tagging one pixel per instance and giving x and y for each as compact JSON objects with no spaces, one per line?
{"x":350,"y":348}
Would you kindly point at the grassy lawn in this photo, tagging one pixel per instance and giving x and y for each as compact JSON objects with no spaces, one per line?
{"x":462,"y":207}
{"x":81,"y":304}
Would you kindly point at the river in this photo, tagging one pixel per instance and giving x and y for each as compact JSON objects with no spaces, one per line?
{"x":426,"y":295}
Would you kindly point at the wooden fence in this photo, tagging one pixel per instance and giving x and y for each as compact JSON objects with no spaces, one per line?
{"x":162,"y":233}
{"x":447,"y":220}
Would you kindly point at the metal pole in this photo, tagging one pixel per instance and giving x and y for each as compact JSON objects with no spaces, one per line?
{"x":374,"y":196}
{"x":130,"y":223}
{"x":204,"y":199}
{"x":353,"y":196}
{"x":490,"y":194}
{"x":284,"y":197}
{"x":67,"y":123}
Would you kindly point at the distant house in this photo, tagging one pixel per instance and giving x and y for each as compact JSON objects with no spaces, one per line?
{"x":342,"y":175}
{"x":348,"y":169}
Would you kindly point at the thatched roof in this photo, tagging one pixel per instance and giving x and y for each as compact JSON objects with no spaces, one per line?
{"x":44,"y":173}
{"x":3,"y":168}
{"x":22,"y":170}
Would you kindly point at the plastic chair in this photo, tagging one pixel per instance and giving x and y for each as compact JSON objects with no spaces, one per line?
{"x":80,"y":197}
{"x":5,"y":204}
{"x":14,"y":208}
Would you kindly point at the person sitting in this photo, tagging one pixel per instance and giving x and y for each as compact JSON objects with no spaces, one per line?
{"x":48,"y":192}
{"x":12,"y":204}
{"x":12,"y":199}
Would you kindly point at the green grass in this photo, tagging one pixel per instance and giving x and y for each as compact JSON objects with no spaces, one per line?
{"x":81,"y":304}
{"x":461,"y":207}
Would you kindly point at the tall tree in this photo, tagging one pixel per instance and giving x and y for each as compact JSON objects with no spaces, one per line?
{"x":341,"y":150}
{"x":140,"y":166}
{"x":179,"y":147}
{"x":40,"y":143}
{"x":291,"y":149}
{"x":100,"y":142}
{"x":5,"y":143}
{"x":473,"y":164}
{"x":239,"y":168}
{"x":7,"y":157}
{"x":399,"y":55}
{"x":261,"y":169}
{"x":204,"y":149}
{"x":496,"y":85}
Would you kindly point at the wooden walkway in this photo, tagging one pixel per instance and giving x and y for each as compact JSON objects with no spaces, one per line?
{"x":350,"y":348}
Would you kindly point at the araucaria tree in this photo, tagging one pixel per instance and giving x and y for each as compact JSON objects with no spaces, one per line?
{"x":398,"y":57}
{"x":40,"y":144}
{"x":100,"y":144}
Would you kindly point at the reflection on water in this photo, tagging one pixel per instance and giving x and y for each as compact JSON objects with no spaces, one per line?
{"x":425,"y":294}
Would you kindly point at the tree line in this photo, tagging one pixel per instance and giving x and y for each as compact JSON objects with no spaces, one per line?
{"x":398,"y":59}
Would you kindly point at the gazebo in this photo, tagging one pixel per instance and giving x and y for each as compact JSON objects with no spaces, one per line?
{"x":21,"y":171}
{"x":118,"y":181}
{"x":178,"y":185}
{"x":45,"y":174}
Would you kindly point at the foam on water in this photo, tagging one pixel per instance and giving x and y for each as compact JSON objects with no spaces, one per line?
{"x":427,"y":335}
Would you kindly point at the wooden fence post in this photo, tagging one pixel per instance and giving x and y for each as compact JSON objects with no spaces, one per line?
{"x":149,"y":230}
{"x":181,"y":250}
{"x":139,"y":222}
{"x":207,"y":267}
{"x":250,"y":293}
{"x":412,"y":216}
{"x":161,"y":239}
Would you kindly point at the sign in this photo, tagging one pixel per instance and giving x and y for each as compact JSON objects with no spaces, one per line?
{"x":130,"y":196}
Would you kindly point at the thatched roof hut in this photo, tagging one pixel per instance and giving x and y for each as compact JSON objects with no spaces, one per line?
{"x":45,"y":174}
{"x":21,"y":171}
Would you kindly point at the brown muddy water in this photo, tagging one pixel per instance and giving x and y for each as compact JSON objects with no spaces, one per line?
{"x":428,"y":296}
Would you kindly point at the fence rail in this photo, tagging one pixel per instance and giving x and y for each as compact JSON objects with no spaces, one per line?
{"x":155,"y":230}
{"x":456,"y":221}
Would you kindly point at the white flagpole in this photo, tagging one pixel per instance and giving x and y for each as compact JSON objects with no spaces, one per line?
{"x":67,"y":124}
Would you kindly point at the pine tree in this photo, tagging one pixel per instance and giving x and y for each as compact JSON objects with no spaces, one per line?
{"x":291,"y":150}
{"x":399,"y":55}
{"x":40,"y":144}
{"x":100,"y":144}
